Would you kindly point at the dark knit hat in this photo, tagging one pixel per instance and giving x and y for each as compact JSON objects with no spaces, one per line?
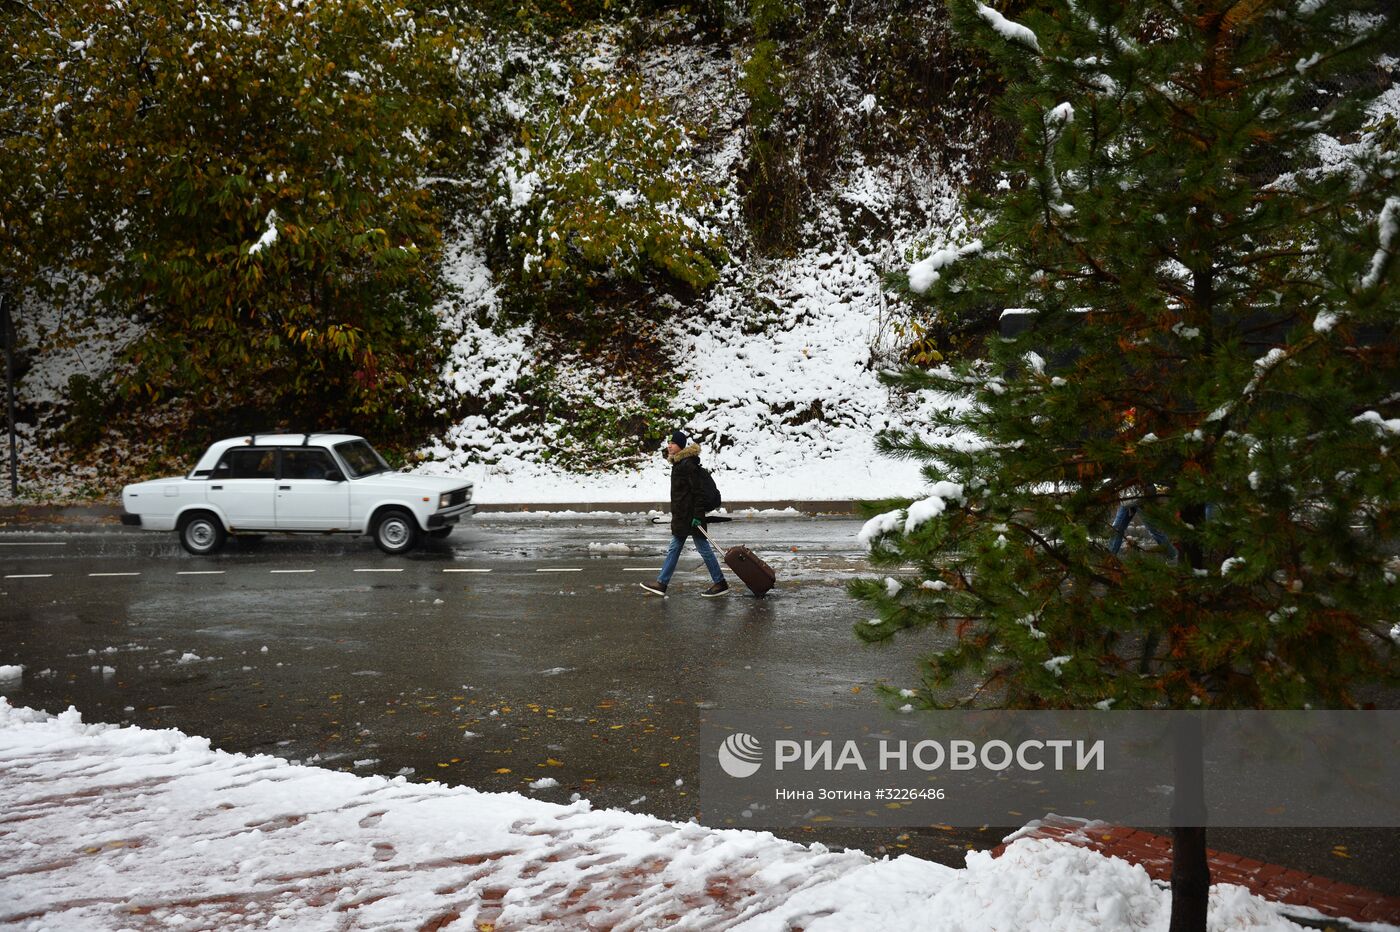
{"x":679,"y":438}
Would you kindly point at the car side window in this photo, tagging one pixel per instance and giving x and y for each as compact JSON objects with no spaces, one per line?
{"x":306,"y":463}
{"x":247,"y":464}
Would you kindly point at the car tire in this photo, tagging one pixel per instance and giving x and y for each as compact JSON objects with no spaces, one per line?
{"x":439,"y":533}
{"x":396,"y":531}
{"x":202,"y":533}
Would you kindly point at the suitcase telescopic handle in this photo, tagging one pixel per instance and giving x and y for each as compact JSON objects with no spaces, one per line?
{"x":701,"y":529}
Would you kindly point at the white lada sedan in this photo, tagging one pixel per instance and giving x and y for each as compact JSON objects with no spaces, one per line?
{"x":298,"y":483}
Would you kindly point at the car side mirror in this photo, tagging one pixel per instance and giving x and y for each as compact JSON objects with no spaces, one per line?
{"x":335,"y":475}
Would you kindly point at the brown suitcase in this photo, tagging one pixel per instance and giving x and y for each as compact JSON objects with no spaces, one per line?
{"x":745,"y":564}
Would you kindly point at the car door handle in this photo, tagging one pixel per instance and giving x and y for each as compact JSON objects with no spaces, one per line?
{"x":284,"y":488}
{"x":216,"y":488}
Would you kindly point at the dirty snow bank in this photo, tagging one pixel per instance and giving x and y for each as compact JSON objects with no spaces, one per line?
{"x":114,"y":827}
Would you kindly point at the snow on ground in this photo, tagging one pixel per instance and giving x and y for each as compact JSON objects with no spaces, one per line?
{"x":104,"y":827}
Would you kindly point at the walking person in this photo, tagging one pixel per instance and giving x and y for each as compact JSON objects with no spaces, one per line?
{"x":1130,"y":508}
{"x":688,"y":500}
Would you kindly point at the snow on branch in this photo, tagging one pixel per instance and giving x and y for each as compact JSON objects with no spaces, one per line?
{"x":1389,"y":222}
{"x":1012,"y":31}
{"x":269,"y":235}
{"x":878,"y":527}
{"x":1382,"y":425}
{"x":918,"y":514}
{"x":924,"y":273}
{"x":933,"y":506}
{"x":1262,"y":367}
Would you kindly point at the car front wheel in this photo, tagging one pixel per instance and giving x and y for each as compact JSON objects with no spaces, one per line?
{"x":202,"y":533}
{"x":396,"y":531}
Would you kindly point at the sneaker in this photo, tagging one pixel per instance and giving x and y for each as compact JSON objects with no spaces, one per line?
{"x":655,"y":588}
{"x":719,"y":588}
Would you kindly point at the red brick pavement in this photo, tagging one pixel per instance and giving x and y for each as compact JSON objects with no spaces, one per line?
{"x":1271,"y":881}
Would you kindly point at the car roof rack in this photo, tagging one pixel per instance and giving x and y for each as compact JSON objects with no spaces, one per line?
{"x":305,"y":435}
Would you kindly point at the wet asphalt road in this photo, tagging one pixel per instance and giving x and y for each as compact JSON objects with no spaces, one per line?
{"x":514,"y":650}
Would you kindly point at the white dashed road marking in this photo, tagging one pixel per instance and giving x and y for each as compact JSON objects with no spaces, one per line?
{"x":561,"y":569}
{"x":28,"y":575}
{"x":466,"y":571}
{"x":114,"y":574}
{"x":380,"y":570}
{"x":291,"y":571}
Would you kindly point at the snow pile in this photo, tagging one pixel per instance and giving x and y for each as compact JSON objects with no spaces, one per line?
{"x":1036,"y":884}
{"x":109,"y":824}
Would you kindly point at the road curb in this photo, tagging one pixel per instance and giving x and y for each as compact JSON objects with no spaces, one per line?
{"x":1332,"y":898}
{"x":99,"y":514}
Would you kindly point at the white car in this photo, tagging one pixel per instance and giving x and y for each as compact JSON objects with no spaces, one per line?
{"x":322,"y":483}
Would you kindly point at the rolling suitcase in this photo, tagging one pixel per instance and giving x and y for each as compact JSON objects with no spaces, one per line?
{"x":745,"y":564}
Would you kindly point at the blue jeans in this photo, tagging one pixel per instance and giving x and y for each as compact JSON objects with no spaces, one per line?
{"x":1123,"y":518}
{"x":673,"y":556}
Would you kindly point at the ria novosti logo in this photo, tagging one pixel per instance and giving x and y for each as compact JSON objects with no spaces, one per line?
{"x":740,"y":755}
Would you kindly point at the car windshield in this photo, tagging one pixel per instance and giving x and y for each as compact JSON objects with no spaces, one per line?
{"x":361,"y":458}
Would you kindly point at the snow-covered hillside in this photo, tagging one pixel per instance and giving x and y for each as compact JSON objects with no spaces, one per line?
{"x":777,"y":364}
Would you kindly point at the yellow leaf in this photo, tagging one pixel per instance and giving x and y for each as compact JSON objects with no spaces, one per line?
{"x":502,"y":770}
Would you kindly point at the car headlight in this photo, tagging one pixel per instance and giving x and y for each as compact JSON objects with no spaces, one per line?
{"x":444,"y":499}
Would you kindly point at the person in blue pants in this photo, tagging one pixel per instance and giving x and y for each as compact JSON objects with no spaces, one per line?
{"x":1123,"y":518}
{"x":687,"y":517}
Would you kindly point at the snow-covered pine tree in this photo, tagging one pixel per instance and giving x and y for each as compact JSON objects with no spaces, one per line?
{"x":1201,"y":225}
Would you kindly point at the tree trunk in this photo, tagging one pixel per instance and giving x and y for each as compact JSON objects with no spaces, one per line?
{"x":7,"y":324}
{"x":1190,"y":871}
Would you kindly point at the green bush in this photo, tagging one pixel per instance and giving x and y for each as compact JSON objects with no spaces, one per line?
{"x":245,"y":179}
{"x":599,"y":193}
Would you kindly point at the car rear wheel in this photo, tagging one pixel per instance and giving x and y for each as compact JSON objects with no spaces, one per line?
{"x":396,"y":531}
{"x":201,"y":533}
